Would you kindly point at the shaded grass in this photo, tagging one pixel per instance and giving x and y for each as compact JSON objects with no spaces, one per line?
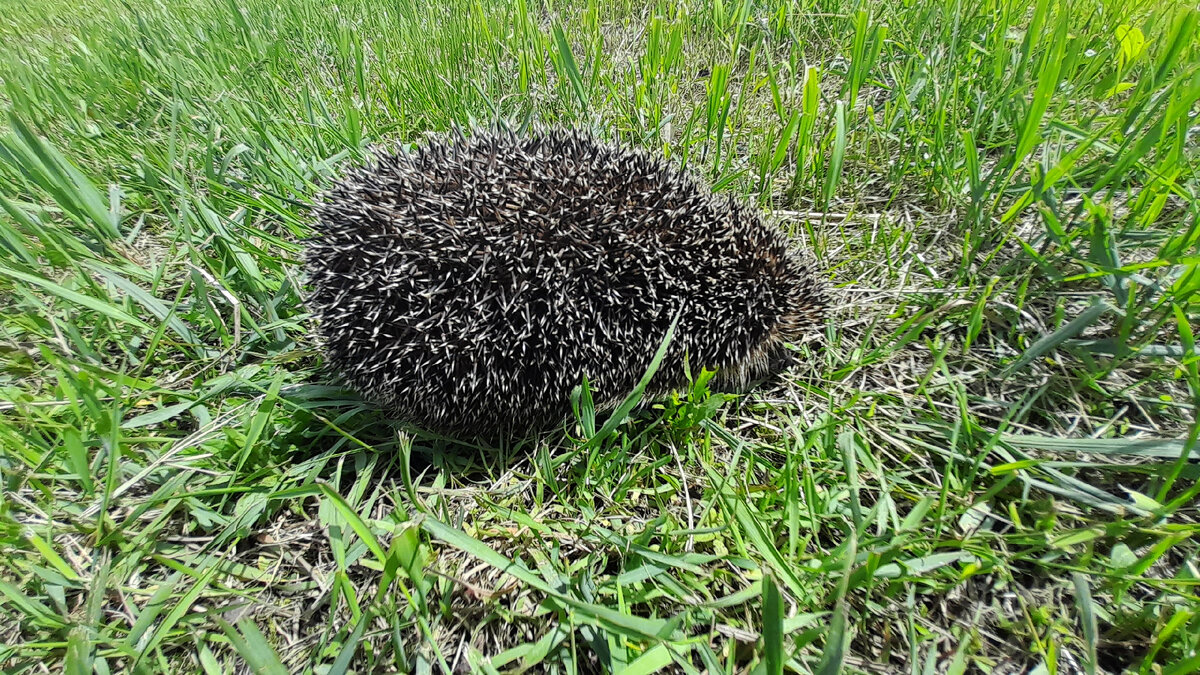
{"x":987,"y":463}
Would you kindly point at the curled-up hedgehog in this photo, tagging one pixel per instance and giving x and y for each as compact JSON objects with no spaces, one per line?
{"x":468,"y":285}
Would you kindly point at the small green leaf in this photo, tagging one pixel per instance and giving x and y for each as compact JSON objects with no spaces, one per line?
{"x":1131,"y":42}
{"x":653,"y":660}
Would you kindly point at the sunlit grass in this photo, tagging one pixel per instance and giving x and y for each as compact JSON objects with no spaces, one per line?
{"x":988,"y":464}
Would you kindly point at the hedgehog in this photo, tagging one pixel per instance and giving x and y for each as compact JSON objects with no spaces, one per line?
{"x":468,"y":284}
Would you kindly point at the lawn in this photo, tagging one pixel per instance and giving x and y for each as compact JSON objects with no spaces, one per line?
{"x":988,"y":462}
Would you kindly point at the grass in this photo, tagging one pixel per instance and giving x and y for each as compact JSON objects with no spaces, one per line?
{"x":988,"y":464}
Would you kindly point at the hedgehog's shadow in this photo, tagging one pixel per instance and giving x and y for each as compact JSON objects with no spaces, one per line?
{"x":345,"y":433}
{"x":779,"y":363}
{"x":333,"y":420}
{"x":372,"y":419}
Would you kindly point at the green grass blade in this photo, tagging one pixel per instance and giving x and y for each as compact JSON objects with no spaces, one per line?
{"x":612,"y":620}
{"x":621,"y":413}
{"x":1087,"y":618}
{"x":838,"y":153}
{"x":249,"y":641}
{"x":107,"y":309}
{"x":1048,"y":342}
{"x":836,"y":641}
{"x":772,"y":629}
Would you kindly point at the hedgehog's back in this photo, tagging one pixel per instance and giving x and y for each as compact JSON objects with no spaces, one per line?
{"x":470,"y":285}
